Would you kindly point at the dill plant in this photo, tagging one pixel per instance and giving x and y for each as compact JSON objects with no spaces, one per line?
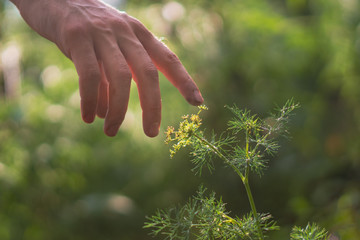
{"x":310,"y":232}
{"x":244,"y":147}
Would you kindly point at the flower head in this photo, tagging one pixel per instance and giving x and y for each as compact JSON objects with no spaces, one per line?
{"x":183,"y":135}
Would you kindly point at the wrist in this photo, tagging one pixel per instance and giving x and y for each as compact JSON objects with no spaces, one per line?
{"x":43,"y":16}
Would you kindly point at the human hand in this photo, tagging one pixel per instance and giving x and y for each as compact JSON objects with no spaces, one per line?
{"x":108,"y":49}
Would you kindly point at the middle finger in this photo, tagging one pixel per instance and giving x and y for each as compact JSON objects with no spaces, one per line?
{"x":119,"y":78}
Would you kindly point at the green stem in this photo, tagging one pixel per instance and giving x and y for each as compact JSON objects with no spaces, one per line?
{"x":248,"y":189}
{"x":252,"y":203}
{"x":245,"y":179}
{"x":220,"y":155}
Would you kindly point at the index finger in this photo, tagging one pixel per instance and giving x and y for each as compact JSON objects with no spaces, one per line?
{"x":169,"y":64}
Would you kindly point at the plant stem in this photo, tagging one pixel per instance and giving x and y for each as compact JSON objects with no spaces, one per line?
{"x":248,"y":189}
{"x":220,"y":155}
{"x":244,"y":179}
{"x":252,"y":203}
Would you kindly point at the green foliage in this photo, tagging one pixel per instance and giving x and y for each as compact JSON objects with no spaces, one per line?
{"x":239,"y":152}
{"x":252,"y":52}
{"x":310,"y":232}
{"x":204,"y":217}
{"x":244,"y":150}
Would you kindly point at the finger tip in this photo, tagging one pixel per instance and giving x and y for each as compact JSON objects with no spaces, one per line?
{"x":152,"y":131}
{"x":101,"y":113}
{"x":152,"y":135}
{"x":198,"y":102}
{"x":88,"y":119}
{"x":111,"y":131}
{"x":88,"y":113}
{"x":111,"y":134}
{"x":196,"y":99}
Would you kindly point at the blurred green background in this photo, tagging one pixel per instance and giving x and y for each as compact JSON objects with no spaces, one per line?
{"x":63,"y":179}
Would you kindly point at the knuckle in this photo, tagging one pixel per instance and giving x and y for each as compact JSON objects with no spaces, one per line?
{"x":151,"y":104}
{"x":91,"y":75}
{"x":139,"y":27}
{"x":155,"y":107}
{"x":74,"y":31}
{"x":126,"y":17}
{"x":120,"y":22}
{"x":171,"y":58}
{"x":88,"y":102}
{"x":98,"y":23}
{"x":133,"y":21}
{"x":117,"y":88}
{"x":120,"y":82}
{"x":114,"y":90}
{"x":124,"y":73}
{"x":150,"y":72}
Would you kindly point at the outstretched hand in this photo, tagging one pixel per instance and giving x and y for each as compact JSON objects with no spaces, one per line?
{"x":108,"y":49}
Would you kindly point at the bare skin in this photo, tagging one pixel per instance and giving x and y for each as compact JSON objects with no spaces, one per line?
{"x":108,"y":49}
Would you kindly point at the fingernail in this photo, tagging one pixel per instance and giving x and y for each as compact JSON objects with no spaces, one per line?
{"x":154,"y":130}
{"x":112,"y":130}
{"x":88,"y":118}
{"x":198,"y":98}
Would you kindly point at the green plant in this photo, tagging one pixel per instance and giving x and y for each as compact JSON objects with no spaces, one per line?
{"x":310,"y":232}
{"x":244,"y":147}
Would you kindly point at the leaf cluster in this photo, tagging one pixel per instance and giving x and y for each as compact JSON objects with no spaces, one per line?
{"x":204,"y":217}
{"x":245,"y":144}
{"x":260,"y":136}
{"x":310,"y":232}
